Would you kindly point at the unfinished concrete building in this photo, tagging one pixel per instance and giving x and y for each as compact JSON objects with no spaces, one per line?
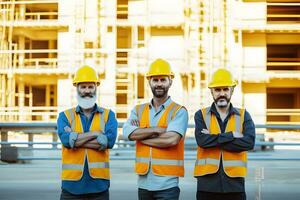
{"x":43,"y":42}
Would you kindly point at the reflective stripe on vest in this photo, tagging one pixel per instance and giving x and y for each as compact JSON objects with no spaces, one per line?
{"x":73,"y":160}
{"x":160,"y":161}
{"x":99,"y":165}
{"x":164,"y":161}
{"x":208,"y":160}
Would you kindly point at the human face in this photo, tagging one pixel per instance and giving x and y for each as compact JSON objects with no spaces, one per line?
{"x":222,"y":96}
{"x":160,"y":85}
{"x":86,"y":95}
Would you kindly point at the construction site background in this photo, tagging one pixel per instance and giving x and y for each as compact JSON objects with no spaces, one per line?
{"x":43,"y":42}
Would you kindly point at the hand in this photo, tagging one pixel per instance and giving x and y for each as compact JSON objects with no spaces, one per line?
{"x":67,"y":129}
{"x":237,"y":134}
{"x":135,"y":122}
{"x":205,"y":131}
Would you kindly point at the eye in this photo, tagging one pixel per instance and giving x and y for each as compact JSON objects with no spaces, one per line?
{"x":226,"y":89}
{"x":217,"y":90}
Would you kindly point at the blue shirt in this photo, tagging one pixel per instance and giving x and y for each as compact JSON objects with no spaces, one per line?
{"x":86,"y":184}
{"x":178,"y":124}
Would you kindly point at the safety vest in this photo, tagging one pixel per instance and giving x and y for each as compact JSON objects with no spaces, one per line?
{"x":164,"y":161}
{"x":208,"y":159}
{"x":73,"y":160}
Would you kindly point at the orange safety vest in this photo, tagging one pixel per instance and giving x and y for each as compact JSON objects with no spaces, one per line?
{"x":164,"y":161}
{"x":208,"y":159}
{"x":73,"y":159}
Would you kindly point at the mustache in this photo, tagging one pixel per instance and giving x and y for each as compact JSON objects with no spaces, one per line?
{"x":91,"y":95}
{"x":159,"y":87}
{"x":221,"y":97}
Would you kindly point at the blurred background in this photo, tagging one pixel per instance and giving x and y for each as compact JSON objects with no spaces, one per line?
{"x":43,"y":42}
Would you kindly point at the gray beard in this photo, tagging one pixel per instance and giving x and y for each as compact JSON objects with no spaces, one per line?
{"x":86,"y":103}
{"x":222,"y":104}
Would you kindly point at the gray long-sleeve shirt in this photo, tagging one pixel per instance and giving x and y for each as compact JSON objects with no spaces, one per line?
{"x":220,"y":182}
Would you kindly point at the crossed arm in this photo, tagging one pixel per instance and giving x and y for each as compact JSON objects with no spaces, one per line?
{"x":92,"y":139}
{"x":230,"y":141}
{"x":86,"y":140}
{"x":154,"y":136}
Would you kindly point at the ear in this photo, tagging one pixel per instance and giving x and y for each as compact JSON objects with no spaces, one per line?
{"x":232,"y":89}
{"x":171,"y":81}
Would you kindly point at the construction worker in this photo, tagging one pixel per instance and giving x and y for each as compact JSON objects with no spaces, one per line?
{"x":86,"y":132}
{"x":158,"y":127}
{"x":224,"y":134}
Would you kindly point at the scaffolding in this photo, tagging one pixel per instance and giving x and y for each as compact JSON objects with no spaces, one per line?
{"x":51,"y":38}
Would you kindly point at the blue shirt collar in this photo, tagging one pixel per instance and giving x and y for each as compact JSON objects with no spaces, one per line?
{"x":164,"y":105}
{"x":95,"y":109}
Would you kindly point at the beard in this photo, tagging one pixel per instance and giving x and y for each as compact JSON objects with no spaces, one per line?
{"x":86,"y":101}
{"x":222,"y":101}
{"x":159,"y":92}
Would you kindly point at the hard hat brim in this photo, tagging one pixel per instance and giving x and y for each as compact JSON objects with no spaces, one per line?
{"x":77,"y":82}
{"x":148,"y":76}
{"x":222,"y":85}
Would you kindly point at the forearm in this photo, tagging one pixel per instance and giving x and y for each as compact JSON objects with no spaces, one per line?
{"x":244,"y":143}
{"x":143,"y":133}
{"x":247,"y":141}
{"x":92,"y":144}
{"x":84,"y":138}
{"x":213,"y":140}
{"x":165,"y":140}
{"x":207,"y":140}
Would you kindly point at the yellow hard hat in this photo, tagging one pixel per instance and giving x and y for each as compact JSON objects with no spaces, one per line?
{"x":160,"y":67}
{"x":222,"y":78}
{"x":86,"y":74}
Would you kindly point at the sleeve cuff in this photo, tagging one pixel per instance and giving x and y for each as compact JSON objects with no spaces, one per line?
{"x":72,"y":139}
{"x":129,"y":131}
{"x":225,"y":137}
{"x":103,"y":141}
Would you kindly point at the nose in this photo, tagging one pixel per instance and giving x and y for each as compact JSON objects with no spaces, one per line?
{"x":222,"y":93}
{"x":86,"y":90}
{"x":159,"y":83}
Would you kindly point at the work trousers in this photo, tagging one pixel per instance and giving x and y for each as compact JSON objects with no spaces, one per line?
{"x":221,"y":196}
{"x":168,"y":194}
{"x":93,"y":196}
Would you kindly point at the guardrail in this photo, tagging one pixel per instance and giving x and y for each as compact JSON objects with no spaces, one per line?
{"x":121,"y":145}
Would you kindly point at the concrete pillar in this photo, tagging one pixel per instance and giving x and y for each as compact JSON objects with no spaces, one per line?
{"x":21,"y":45}
{"x":3,"y":91}
{"x":51,"y":45}
{"x":11,"y":95}
{"x":48,"y":88}
{"x":4,"y":94}
{"x":22,"y":9}
{"x":21,"y":102}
